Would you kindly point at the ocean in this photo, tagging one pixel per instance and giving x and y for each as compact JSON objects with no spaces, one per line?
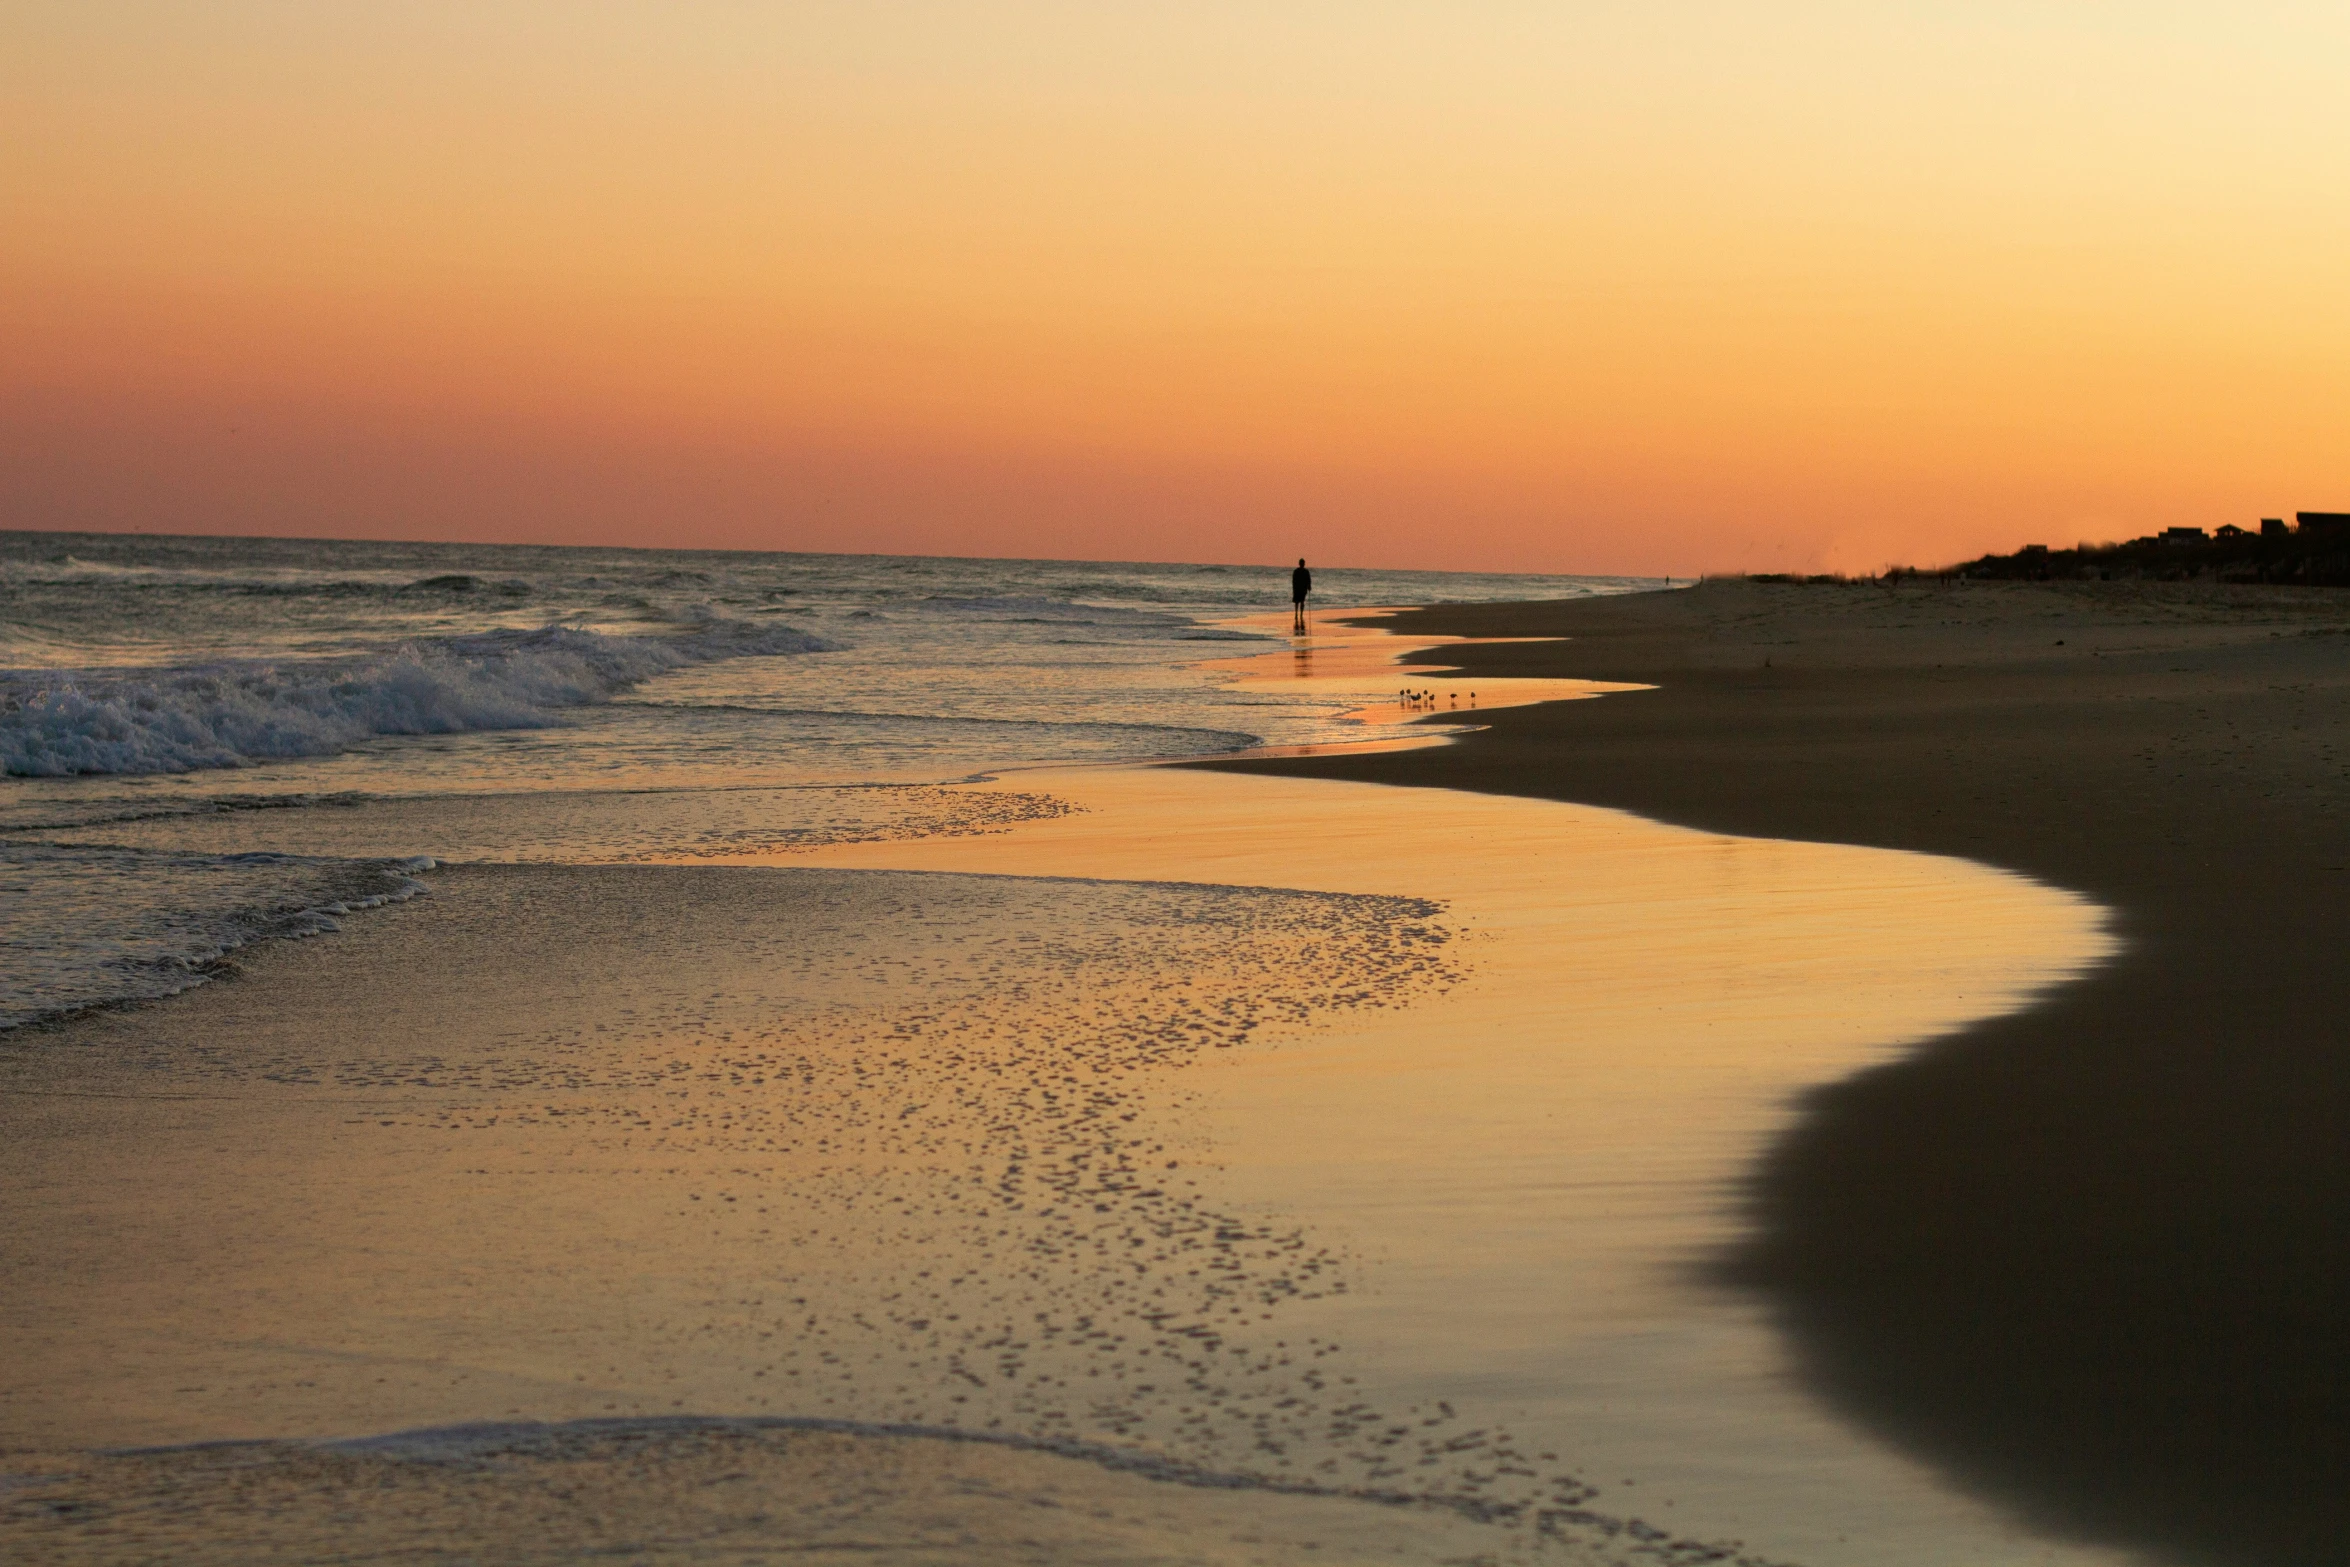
{"x":211,"y":741}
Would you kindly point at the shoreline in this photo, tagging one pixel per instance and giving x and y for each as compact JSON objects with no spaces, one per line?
{"x":432,"y":1182}
{"x":2083,"y":1258}
{"x":1537,"y":1167}
{"x":1283,"y":1092}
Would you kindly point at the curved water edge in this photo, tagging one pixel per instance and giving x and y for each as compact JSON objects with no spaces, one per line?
{"x":1464,"y":1306}
{"x":1543,"y":1166}
{"x":1530,"y":1205}
{"x":2083,"y":1259}
{"x":119,"y":926}
{"x":2072,"y":1257}
{"x":685,"y":1488}
{"x":475,"y":1442}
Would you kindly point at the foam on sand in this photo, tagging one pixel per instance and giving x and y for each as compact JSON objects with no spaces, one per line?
{"x":931,"y":1150}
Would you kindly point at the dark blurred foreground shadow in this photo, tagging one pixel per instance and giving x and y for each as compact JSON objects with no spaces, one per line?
{"x":2094,"y":1261}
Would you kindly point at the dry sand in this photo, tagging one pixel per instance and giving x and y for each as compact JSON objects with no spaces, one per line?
{"x":2093,"y":1259}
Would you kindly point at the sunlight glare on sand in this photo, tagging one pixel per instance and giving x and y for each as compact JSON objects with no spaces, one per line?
{"x":1537,"y":1165}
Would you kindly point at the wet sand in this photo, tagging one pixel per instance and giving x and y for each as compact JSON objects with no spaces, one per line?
{"x":643,"y":1145}
{"x":566,"y":1143}
{"x":1535,"y":1171}
{"x":1204,"y":1152}
{"x":724,"y":1491}
{"x":1348,"y":1192}
{"x":2092,"y":1259}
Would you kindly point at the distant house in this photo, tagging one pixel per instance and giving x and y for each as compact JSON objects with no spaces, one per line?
{"x":2194,"y":535}
{"x":2273,"y":528}
{"x":2322,"y":521}
{"x":2228,"y":530}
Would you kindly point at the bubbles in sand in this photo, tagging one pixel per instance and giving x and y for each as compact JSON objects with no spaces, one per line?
{"x":893,"y":1149}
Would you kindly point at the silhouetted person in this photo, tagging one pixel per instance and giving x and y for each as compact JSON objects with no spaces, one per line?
{"x":1301,"y":583}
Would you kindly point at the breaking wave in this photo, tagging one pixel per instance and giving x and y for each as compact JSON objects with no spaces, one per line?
{"x":58,"y":723}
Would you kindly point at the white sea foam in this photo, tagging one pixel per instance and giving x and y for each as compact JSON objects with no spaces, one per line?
{"x":56,"y":723}
{"x":132,"y":668}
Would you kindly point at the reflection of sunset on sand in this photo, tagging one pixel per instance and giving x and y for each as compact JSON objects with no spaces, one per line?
{"x":1351,"y":656}
{"x":1343,"y":1138}
{"x":1533,"y":1166}
{"x":2082,"y":1258}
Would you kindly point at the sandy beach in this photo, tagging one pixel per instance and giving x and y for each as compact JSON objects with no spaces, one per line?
{"x":1161,"y":1140}
{"x":2088,"y":1258}
{"x":1201,"y":1167}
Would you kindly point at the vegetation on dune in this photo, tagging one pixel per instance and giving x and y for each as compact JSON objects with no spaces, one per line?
{"x":2312,"y":554}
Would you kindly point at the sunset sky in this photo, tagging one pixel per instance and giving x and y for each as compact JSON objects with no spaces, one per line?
{"x":1656,"y":287}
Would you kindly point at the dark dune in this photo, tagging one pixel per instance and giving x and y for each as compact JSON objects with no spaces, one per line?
{"x":2092,"y":1261}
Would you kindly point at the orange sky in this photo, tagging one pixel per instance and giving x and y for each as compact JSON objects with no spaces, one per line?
{"x":1567,"y":287}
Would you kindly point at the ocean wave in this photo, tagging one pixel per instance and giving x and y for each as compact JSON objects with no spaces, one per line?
{"x":59,"y":723}
{"x":467,"y":582}
{"x":500,"y":1447}
{"x":71,"y":570}
{"x":53,"y":815}
{"x":1038,"y":610}
{"x":280,"y":582}
{"x":120,"y":925}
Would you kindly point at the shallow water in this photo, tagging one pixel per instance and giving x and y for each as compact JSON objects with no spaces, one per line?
{"x":698,"y":1491}
{"x":1537,"y":1169}
{"x":890,"y":1149}
{"x":1335,"y":1186}
{"x":151,"y":678}
{"x":1297,"y":1142}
